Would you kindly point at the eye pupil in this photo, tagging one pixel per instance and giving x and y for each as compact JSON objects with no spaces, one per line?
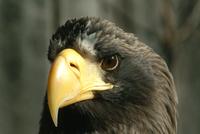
{"x":109,"y":63}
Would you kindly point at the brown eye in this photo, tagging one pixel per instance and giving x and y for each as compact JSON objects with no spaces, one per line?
{"x":109,"y":63}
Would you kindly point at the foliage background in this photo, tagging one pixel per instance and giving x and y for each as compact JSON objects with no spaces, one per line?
{"x":171,"y":27}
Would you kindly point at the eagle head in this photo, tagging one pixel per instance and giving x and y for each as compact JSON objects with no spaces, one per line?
{"x":104,"y":80}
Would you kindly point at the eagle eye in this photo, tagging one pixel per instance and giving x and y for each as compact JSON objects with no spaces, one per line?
{"x":109,"y":63}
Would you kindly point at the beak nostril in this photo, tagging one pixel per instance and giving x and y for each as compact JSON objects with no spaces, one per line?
{"x":75,"y":69}
{"x":74,"y":66}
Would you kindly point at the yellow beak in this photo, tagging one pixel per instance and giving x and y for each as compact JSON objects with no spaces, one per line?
{"x":72,"y":79}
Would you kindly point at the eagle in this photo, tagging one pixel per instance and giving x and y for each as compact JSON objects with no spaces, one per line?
{"x":104,"y":80}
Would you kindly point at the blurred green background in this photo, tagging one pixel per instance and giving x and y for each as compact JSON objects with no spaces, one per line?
{"x":171,"y":27}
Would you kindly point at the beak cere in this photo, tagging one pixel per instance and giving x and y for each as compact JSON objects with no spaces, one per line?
{"x":72,"y":79}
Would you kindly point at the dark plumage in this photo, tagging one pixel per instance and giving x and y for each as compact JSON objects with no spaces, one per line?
{"x":143,"y":99}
